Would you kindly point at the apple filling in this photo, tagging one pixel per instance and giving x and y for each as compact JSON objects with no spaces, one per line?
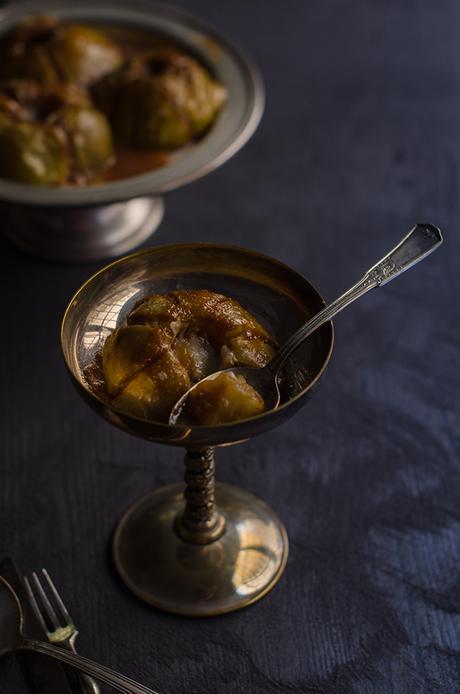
{"x":226,"y":398}
{"x":172,"y":341}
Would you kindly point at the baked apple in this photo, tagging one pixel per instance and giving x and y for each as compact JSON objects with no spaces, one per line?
{"x":161,"y":99}
{"x":51,"y":135}
{"x":48,"y":51}
{"x":172,"y":341}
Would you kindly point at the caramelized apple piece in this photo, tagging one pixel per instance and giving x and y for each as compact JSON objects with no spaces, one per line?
{"x":33,"y":155}
{"x":172,"y":341}
{"x":130,"y":349}
{"x":154,"y":391}
{"x":82,"y":54}
{"x":45,"y":50}
{"x":89,"y":139}
{"x":51,"y":136}
{"x":225,"y":398}
{"x":224,"y":322}
{"x":153,"y":309}
{"x":250,"y":351}
{"x":161,"y":99}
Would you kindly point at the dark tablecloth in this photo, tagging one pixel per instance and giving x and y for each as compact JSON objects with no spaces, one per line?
{"x":360,"y":139}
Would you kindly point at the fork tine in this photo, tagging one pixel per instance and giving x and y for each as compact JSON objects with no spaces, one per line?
{"x":46,"y":603}
{"x":57,"y":597}
{"x":34,"y":604}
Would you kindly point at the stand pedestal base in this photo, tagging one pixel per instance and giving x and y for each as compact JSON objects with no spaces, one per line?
{"x":74,"y":234}
{"x":238,"y":568}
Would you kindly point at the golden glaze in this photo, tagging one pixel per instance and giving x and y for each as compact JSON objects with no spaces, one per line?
{"x":171,"y":341}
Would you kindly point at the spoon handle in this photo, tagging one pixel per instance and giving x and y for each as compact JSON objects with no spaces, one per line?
{"x":88,"y":667}
{"x":422,"y":240}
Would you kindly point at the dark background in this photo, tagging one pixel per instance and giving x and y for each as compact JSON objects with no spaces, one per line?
{"x":360,"y":139}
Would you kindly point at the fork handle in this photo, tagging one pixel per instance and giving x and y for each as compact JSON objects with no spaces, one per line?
{"x":88,"y":667}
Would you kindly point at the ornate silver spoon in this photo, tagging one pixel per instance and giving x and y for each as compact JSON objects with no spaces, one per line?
{"x":422,"y":240}
{"x":12,"y":639}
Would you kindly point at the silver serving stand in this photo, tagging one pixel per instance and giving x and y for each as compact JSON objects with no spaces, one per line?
{"x":110,"y":219}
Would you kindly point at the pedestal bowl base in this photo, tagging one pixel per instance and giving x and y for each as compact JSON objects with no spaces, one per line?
{"x":89,"y":233}
{"x":235,"y":570}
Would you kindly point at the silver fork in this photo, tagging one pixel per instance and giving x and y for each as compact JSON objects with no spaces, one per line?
{"x":63,"y":632}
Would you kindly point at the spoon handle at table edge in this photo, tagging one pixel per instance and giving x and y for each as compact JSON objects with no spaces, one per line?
{"x":422,"y":240}
{"x":87,"y":683}
{"x":88,"y":667}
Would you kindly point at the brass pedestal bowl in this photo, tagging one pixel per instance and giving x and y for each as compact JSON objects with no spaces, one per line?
{"x":209,"y":548}
{"x":109,"y":219}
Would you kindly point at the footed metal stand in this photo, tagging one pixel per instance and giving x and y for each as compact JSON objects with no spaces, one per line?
{"x":219,"y":550}
{"x":110,"y":218}
{"x":84,"y":233}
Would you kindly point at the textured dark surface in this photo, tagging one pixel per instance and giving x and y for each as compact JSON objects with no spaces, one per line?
{"x":360,"y":139}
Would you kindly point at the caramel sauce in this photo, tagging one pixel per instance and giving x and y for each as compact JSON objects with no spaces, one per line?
{"x":132,"y":161}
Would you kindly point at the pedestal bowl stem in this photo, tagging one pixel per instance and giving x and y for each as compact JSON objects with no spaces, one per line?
{"x":200,"y":522}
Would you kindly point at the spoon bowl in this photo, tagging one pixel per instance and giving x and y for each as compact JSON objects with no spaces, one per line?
{"x":261,"y":379}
